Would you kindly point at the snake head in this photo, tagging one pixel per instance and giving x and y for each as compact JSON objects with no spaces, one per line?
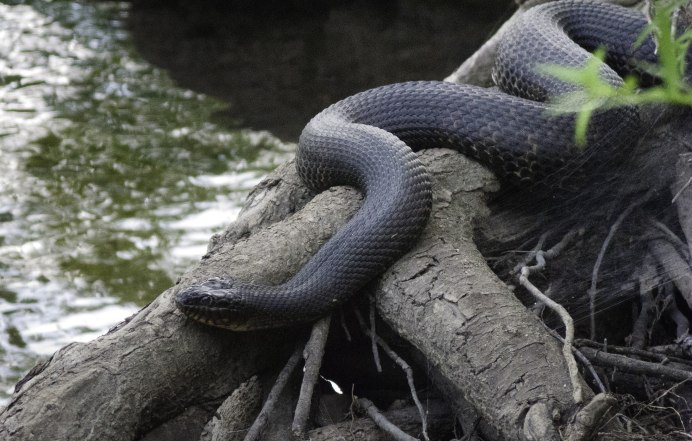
{"x":217,"y":302}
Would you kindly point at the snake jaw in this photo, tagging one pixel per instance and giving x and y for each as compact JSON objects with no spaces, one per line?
{"x":217,"y":302}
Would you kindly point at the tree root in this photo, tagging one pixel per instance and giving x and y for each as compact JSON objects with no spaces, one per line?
{"x":525,"y":272}
{"x":493,"y":362}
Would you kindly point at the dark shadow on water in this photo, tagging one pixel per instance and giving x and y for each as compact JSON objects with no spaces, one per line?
{"x":277,"y":64}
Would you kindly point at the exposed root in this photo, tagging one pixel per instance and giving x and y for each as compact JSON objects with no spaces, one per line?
{"x":588,"y":419}
{"x":577,"y":392}
{"x":236,"y":413}
{"x":680,"y":246}
{"x":683,"y":195}
{"x":682,"y":324}
{"x":584,"y":361}
{"x":440,"y":419}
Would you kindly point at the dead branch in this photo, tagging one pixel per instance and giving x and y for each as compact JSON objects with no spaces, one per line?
{"x":634,"y":352}
{"x":313,"y":353}
{"x":632,"y":366}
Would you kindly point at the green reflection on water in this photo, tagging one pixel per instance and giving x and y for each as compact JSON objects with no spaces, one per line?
{"x":102,"y":183}
{"x":132,"y":142}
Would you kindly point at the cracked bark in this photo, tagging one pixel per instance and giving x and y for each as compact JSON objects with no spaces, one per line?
{"x":443,"y":299}
{"x":158,"y":374}
{"x":155,"y":366}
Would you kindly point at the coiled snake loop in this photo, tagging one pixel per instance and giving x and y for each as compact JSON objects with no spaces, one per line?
{"x":368,"y":141}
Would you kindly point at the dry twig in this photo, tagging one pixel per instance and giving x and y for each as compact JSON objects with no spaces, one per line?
{"x":403,"y":365}
{"x":373,"y":341}
{"x":344,"y":326}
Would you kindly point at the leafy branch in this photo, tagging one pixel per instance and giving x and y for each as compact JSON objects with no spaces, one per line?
{"x":595,"y":93}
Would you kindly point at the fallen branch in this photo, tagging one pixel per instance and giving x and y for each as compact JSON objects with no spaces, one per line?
{"x":634,"y":352}
{"x":632,"y":366}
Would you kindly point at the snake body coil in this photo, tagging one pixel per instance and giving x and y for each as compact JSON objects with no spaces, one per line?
{"x":368,"y":141}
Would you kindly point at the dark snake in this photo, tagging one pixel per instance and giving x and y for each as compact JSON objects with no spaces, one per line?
{"x":369,"y":140}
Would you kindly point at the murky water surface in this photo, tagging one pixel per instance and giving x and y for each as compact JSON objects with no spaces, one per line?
{"x":112,"y":178}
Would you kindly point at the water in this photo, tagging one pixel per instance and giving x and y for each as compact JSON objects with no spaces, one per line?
{"x":112,"y":178}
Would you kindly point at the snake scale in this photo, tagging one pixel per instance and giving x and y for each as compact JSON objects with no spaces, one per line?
{"x":369,"y":141}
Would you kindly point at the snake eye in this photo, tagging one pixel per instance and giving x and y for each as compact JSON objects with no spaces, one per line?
{"x":206,"y":300}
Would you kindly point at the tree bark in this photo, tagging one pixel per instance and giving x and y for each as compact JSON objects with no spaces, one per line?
{"x":492,"y":360}
{"x":441,"y":296}
{"x":443,"y":299}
